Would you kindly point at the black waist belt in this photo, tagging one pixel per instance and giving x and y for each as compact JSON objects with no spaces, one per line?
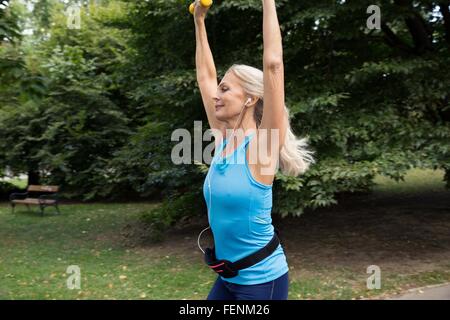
{"x":228,"y":269}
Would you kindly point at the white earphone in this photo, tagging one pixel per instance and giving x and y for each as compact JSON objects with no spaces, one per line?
{"x":209,"y":180}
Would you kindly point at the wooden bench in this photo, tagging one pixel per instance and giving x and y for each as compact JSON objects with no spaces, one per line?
{"x":50,"y":198}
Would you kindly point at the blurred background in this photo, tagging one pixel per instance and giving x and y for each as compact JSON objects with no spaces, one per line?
{"x":91,"y":91}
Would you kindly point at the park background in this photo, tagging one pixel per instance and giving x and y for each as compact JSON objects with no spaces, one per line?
{"x":92,"y":110}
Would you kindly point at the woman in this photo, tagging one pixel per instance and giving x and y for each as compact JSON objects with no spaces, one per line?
{"x":239,"y":196}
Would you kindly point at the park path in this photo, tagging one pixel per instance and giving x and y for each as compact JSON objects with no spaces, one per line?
{"x":437,"y":292}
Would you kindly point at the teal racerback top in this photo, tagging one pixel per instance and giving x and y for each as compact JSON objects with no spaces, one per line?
{"x":240,"y":215}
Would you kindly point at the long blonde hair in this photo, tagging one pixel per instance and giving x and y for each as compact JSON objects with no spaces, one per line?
{"x":295,"y":159}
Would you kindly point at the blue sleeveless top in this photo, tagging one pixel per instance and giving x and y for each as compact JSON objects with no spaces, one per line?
{"x":240,"y":215}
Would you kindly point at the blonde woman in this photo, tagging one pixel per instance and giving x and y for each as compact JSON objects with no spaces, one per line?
{"x":247,"y":255}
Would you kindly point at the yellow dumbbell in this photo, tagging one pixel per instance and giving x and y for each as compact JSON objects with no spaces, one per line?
{"x":204,"y":3}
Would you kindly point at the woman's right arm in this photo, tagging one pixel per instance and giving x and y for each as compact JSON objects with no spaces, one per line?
{"x":206,"y":70}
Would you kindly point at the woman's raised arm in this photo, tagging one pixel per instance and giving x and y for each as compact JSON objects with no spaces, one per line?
{"x":274,"y":114}
{"x":206,"y":70}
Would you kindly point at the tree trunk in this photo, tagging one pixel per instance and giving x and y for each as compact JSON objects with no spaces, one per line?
{"x":420,"y":32}
{"x":443,"y":7}
{"x":392,"y":40}
{"x":33,"y":177}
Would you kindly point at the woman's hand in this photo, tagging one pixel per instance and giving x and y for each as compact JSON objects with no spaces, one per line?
{"x":200,"y":11}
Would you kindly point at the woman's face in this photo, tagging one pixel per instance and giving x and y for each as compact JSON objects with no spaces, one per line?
{"x":230,"y":97}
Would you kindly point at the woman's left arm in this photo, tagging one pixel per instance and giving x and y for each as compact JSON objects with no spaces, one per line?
{"x":274,"y":114}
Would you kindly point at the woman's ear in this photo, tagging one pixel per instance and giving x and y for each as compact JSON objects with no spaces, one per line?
{"x":251,"y":101}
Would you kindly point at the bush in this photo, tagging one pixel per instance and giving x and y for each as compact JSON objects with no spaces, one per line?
{"x":175,"y":209}
{"x":6,"y":188}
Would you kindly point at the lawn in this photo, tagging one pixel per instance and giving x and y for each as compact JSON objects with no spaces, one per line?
{"x":19,"y":182}
{"x":36,"y":253}
{"x":328,"y":250}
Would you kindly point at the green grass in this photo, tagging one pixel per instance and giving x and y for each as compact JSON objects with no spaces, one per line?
{"x":417,"y":180}
{"x":36,"y":252}
{"x":345,"y":283}
{"x":21,"y":183}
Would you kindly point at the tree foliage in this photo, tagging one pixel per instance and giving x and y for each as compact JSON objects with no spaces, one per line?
{"x":103,"y":100}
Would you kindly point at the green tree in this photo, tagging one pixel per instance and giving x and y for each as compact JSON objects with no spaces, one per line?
{"x":68,"y":135}
{"x":101,"y":102}
{"x":371,"y":101}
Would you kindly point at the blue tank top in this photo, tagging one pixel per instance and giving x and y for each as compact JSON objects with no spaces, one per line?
{"x":240,"y":215}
